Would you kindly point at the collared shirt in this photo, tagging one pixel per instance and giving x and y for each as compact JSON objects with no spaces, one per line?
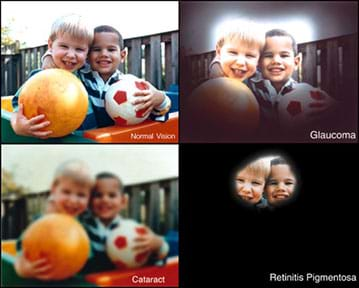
{"x":96,"y":88}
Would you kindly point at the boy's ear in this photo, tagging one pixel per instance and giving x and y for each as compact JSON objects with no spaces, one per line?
{"x":297,"y":60}
{"x":123,"y":54}
{"x":49,"y":43}
{"x":218,"y":50}
{"x":124,"y":201}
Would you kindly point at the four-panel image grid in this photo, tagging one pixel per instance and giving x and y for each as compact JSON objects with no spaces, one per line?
{"x":179,"y":143}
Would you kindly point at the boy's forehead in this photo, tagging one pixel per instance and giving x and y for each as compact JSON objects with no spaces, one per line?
{"x":279,"y":42}
{"x":249,"y":172}
{"x":240,"y":42}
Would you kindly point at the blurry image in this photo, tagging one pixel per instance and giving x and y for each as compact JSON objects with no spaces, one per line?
{"x":266,"y":182}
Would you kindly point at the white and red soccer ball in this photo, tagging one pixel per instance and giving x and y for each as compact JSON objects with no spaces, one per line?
{"x":295,"y":106}
{"x":118,"y":100}
{"x":120,"y":243}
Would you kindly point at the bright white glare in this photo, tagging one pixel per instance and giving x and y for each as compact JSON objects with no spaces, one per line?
{"x":299,"y":27}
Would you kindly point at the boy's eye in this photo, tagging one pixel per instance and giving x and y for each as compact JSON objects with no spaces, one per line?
{"x":289,"y":183}
{"x":284,"y":55}
{"x":95,"y":49}
{"x":267,"y":55}
{"x":251,"y":55}
{"x":63,"y":46}
{"x":256,"y":183}
{"x":80,"y":49}
{"x":231,"y":52}
{"x":240,"y":180}
{"x":272,"y":183}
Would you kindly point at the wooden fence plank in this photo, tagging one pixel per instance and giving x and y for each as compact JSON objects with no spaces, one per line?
{"x":135,"y":203}
{"x":135,"y":58}
{"x":174,"y":58}
{"x":153,"y":207}
{"x":309,"y":63}
{"x":171,"y":205}
{"x":155,"y":61}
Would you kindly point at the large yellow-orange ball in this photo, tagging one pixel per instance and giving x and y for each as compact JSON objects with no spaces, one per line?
{"x":222,"y":109}
{"x":60,"y":96}
{"x":59,"y":238}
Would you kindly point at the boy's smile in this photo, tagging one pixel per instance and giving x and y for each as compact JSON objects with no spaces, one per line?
{"x":238,"y":59}
{"x":68,"y":53}
{"x":278,"y":61}
{"x":105,"y":55}
{"x":249,"y":186}
{"x":281,"y":184}
{"x":107,"y":200}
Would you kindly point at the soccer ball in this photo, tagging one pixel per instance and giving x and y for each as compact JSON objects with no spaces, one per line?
{"x":295,"y":106}
{"x":118,"y":100}
{"x":120,"y":242}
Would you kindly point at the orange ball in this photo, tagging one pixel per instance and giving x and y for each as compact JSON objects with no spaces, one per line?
{"x":223,"y":109}
{"x":62,"y":240}
{"x":60,"y":96}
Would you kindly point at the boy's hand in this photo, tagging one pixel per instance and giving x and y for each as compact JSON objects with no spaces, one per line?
{"x":322,"y":104}
{"x":48,"y":63}
{"x":40,"y":269}
{"x":149,"y":242}
{"x":29,"y":127}
{"x":147,"y":100}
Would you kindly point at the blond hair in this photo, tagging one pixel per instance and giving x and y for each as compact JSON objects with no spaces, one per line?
{"x":74,"y":25}
{"x":76,"y":170}
{"x":260,"y":166}
{"x":243,"y":30}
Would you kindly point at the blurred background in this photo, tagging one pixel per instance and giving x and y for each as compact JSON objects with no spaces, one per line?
{"x":149,"y":173}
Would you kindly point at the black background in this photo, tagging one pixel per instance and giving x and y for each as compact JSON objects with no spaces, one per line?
{"x":224,"y":244}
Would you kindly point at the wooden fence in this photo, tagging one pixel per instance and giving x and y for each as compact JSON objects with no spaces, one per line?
{"x":329,"y":64}
{"x":154,"y":203}
{"x":152,"y":57}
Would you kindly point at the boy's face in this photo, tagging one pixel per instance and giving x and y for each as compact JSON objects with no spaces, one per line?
{"x":70,"y":197}
{"x":68,"y":53}
{"x":238,"y":59}
{"x":105,"y":54}
{"x":250,"y":186}
{"x":281,"y":184}
{"x":278,"y":61}
{"x":108,"y":200}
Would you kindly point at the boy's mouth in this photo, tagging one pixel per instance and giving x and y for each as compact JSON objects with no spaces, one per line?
{"x":239,"y":73}
{"x":104,"y":63}
{"x":276,"y":70}
{"x":280,"y":196}
{"x":69,"y":65}
{"x":71,"y":210}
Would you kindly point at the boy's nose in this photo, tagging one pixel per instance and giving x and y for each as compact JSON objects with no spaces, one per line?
{"x":281,"y":187}
{"x":246,"y":188}
{"x":240,"y":59}
{"x":276,"y":59}
{"x":70,"y":53}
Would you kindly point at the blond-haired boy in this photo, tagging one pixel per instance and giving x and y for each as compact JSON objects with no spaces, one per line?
{"x":69,"y":194}
{"x":250,"y":182}
{"x":238,"y":49}
{"x":69,"y":41}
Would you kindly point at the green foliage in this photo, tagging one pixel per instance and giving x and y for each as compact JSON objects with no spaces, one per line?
{"x":8,"y":185}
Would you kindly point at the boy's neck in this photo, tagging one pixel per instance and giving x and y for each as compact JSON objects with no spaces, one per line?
{"x":107,"y":76}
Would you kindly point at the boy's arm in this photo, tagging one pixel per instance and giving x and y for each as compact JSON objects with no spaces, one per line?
{"x":215,"y":69}
{"x":47,"y":60}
